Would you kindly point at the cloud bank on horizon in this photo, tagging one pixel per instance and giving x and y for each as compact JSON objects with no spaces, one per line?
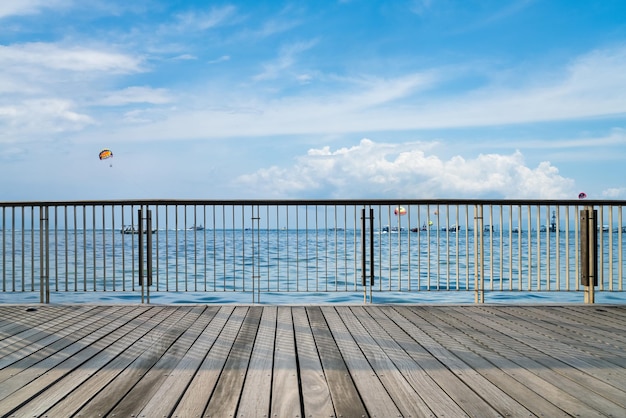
{"x":444,"y":99}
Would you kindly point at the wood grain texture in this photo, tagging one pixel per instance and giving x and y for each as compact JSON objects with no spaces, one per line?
{"x":309,"y":361}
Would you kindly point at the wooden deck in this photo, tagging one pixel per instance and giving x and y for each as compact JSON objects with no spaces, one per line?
{"x":312,"y":361}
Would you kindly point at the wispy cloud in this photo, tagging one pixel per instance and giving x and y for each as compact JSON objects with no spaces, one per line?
{"x":286,"y":59}
{"x":202,"y":20}
{"x":27,"y":7}
{"x":67,"y":58}
{"x":135,"y":95}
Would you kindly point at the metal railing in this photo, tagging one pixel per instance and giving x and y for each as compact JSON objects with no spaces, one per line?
{"x":318,"y":246}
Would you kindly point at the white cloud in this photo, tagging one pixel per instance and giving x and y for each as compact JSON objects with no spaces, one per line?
{"x":66,"y":58}
{"x":286,"y":59}
{"x":408,"y":171}
{"x":614,"y":193}
{"x":40,"y":118}
{"x":136,"y":94}
{"x":27,"y":7}
{"x":200,"y":21}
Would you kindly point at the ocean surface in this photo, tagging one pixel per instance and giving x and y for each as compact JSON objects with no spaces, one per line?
{"x":272,"y":266}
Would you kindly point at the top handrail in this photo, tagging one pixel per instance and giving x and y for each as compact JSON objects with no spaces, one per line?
{"x":288,"y":202}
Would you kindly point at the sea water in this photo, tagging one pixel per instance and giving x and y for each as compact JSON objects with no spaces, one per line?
{"x":304,"y":267}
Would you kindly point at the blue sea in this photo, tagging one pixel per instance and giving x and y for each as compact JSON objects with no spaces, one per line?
{"x":272,"y":266}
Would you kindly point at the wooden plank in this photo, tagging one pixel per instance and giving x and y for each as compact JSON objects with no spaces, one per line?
{"x":572,"y":350}
{"x":257,"y":389}
{"x":533,"y":354}
{"x":316,"y":400}
{"x":74,"y":390}
{"x":403,"y":332}
{"x":225,"y":397}
{"x":589,"y":331}
{"x":172,"y":389}
{"x":50,"y":372}
{"x":428,"y":392}
{"x":285,"y":387}
{"x":33,"y":367}
{"x":57,"y":339}
{"x":137,"y":398}
{"x":195,"y":399}
{"x":345,"y":396}
{"x":156,"y":344}
{"x":497,"y":351}
{"x":102,"y":369}
{"x":31,"y":327}
{"x":404,"y":396}
{"x":372,"y":392}
{"x":494,"y":401}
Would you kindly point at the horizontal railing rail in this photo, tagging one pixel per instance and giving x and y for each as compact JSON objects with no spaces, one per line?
{"x":307,"y":246}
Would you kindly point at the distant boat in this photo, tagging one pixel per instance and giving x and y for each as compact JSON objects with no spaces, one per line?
{"x":423,"y":228}
{"x":387,"y":229}
{"x":130,"y":230}
{"x":196,"y":228}
{"x":451,"y":228}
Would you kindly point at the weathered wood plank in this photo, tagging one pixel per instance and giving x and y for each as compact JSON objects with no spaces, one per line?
{"x":570,"y":350}
{"x":164,"y":401}
{"x":428,"y":391}
{"x":371,"y":389}
{"x":345,"y":396}
{"x":285,"y":388}
{"x":50,"y":371}
{"x":199,"y":361}
{"x":404,"y":396}
{"x":29,"y":328}
{"x":141,"y":393}
{"x":225,"y":397}
{"x":155,"y":344}
{"x":402,"y":332}
{"x":256,"y":393}
{"x":57,"y":338}
{"x":536,"y":394}
{"x":80,"y":386}
{"x":427,"y":334}
{"x":316,"y":399}
{"x":541,"y":360}
{"x":195,"y":399}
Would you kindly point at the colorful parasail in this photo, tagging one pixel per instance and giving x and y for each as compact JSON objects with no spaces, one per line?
{"x":582,"y":195}
{"x":105,"y":153}
{"x":399,"y":211}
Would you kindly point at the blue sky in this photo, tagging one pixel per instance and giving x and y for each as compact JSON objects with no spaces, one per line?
{"x":312,"y":99}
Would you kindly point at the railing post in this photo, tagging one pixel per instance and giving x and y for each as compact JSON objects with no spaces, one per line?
{"x":145,"y":280}
{"x":588,"y":252}
{"x":44,"y":256}
{"x":364,"y":252}
{"x":148,"y":253}
{"x":256,"y":256}
{"x":140,"y":252}
{"x":479,"y":270}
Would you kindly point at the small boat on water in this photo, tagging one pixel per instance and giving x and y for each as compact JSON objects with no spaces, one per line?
{"x":386,"y":229}
{"x":130,"y":230}
{"x":196,"y":228}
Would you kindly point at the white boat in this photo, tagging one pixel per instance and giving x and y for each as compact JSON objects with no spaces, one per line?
{"x":196,"y":228}
{"x":387,"y":229}
{"x":130,"y":230}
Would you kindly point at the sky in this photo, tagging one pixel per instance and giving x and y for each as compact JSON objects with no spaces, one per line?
{"x":342,"y":99}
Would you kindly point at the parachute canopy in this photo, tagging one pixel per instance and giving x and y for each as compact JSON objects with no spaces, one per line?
{"x":105,"y":153}
{"x":582,"y":195}
{"x":399,"y":211}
